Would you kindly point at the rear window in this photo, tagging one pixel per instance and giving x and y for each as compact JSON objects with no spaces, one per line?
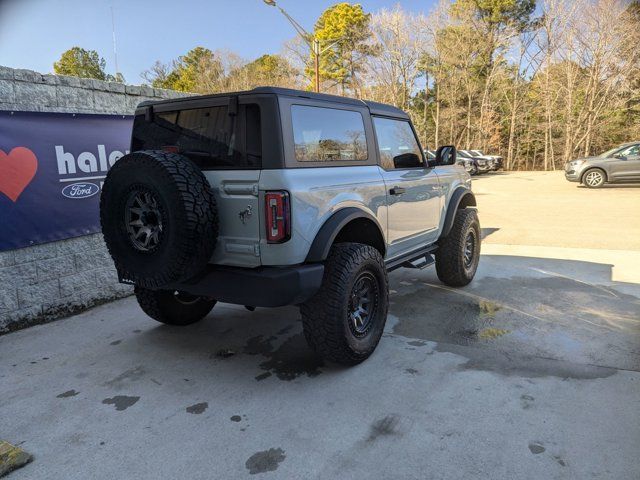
{"x":209,"y":136}
{"x":327,"y":134}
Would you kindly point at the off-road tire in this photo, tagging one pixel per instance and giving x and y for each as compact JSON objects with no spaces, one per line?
{"x":325,"y":317}
{"x":451,"y":267}
{"x":186,"y":206}
{"x":588,"y":184}
{"x":173,"y":308}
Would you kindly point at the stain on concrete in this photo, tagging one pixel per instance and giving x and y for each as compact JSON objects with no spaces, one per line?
{"x":285,"y":330}
{"x":121,"y":402}
{"x":67,"y":394}
{"x":548,"y":317}
{"x":236,"y":418}
{"x":526,"y":366}
{"x":560,"y":461}
{"x":262,"y":376}
{"x":383,"y":427}
{"x":411,"y":371}
{"x":137,"y":331}
{"x":116,"y":342}
{"x":128,"y":376}
{"x":224,"y":353}
{"x":417,"y":343}
{"x":536,"y":448}
{"x":488,"y":308}
{"x":198,"y":408}
{"x":491,"y":333}
{"x":440,"y":317}
{"x":265,"y":461}
{"x":289,"y":361}
{"x":526,"y":401}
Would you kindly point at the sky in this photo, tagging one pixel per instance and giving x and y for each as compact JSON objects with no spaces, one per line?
{"x":33,"y":33}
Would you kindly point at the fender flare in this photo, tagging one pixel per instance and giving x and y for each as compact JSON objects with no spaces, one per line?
{"x":459,"y":195}
{"x":321,"y":244}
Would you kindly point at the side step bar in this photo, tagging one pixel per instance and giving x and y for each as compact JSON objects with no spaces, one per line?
{"x":420,"y":258}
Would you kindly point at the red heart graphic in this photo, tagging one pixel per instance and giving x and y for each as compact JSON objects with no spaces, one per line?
{"x":16,"y":171}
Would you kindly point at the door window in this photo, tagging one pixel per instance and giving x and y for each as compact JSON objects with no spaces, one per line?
{"x":397,"y":144}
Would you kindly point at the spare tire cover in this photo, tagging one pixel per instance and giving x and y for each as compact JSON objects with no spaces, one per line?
{"x":159,"y":218}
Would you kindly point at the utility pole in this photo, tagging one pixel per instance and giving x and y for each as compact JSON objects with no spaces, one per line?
{"x":316,"y":62}
{"x":113,"y":32}
{"x":310,"y":40}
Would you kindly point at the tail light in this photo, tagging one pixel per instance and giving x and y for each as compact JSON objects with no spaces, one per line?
{"x":278,"y":213}
{"x":171,"y":148}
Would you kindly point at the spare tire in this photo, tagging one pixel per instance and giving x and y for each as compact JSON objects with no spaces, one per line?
{"x":159,"y":218}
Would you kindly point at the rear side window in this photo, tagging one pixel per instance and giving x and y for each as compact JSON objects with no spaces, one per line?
{"x":209,"y":136}
{"x":327,"y":134}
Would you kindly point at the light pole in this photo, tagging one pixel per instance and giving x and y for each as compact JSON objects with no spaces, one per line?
{"x":311,"y":40}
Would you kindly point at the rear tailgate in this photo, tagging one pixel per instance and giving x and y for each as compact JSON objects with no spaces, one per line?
{"x":236,"y":193}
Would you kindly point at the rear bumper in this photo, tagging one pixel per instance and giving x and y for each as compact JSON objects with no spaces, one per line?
{"x":256,"y":287}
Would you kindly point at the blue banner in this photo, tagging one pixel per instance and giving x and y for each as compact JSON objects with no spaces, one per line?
{"x":52,"y":166}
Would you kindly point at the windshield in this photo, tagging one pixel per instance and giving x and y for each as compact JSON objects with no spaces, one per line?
{"x":462,"y":153}
{"x":475,"y":153}
{"x":609,"y":153}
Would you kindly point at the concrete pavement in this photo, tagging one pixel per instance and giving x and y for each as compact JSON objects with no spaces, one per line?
{"x":531,"y":372}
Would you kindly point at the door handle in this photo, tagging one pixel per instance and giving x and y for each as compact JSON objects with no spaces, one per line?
{"x":397,"y":191}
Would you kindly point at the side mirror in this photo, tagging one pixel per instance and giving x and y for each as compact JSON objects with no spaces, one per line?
{"x":407,"y":160}
{"x":446,"y":155}
{"x":620,"y":156}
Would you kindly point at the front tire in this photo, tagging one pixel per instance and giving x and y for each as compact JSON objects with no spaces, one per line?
{"x":172,"y":307}
{"x":593,"y":178}
{"x":458,"y":253}
{"x":344,"y":321}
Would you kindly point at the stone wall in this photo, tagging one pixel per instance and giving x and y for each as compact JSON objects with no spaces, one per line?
{"x":48,"y":281}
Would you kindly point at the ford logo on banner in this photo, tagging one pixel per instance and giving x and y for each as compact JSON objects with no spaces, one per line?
{"x":80,"y":190}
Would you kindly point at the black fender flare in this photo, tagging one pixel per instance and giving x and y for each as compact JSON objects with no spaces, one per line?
{"x":321,"y":244}
{"x":460,"y":195}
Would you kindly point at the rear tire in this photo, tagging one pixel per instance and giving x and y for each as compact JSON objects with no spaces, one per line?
{"x":172,"y":307}
{"x":458,"y":253}
{"x":344,"y":321}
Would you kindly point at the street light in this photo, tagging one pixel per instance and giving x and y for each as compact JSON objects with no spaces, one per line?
{"x":311,"y":40}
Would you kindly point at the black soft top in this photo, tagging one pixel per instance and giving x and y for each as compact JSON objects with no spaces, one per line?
{"x":374,"y":107}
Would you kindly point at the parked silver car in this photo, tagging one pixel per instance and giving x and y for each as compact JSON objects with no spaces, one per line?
{"x":617,"y":165}
{"x":467,"y":164}
{"x":482,"y":164}
{"x":497,"y":158}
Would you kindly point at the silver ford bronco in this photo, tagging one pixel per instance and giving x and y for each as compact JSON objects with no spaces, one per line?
{"x":275,"y":197}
